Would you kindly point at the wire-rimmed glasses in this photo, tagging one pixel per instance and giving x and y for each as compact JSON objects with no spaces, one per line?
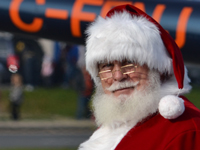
{"x":126,"y":69}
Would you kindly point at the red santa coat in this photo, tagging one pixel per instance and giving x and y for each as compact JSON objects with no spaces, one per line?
{"x":159,"y":133}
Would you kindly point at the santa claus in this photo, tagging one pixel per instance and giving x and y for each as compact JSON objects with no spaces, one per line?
{"x":140,"y":76}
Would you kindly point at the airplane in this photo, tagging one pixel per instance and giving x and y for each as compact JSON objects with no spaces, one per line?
{"x":66,"y":20}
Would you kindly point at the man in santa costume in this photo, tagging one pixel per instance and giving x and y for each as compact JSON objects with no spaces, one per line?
{"x":140,"y":78}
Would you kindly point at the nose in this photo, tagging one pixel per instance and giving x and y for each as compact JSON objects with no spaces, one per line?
{"x":117,"y":74}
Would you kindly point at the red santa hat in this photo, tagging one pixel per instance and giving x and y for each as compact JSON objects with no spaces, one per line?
{"x":127,"y":32}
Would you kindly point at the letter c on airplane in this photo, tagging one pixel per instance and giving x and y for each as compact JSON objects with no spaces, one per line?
{"x":35,"y":26}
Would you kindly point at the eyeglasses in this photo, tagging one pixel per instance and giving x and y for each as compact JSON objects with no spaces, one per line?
{"x":126,"y":69}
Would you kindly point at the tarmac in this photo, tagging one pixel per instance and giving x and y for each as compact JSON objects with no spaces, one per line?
{"x":62,"y":133}
{"x":47,"y":126}
{"x":47,"y":123}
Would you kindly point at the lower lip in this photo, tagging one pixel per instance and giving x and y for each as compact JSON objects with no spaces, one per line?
{"x":126,"y":91}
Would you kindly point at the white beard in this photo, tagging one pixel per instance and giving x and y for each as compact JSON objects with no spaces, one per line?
{"x":109,"y":110}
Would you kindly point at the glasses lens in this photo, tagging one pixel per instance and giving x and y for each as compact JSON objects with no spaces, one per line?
{"x":105,"y":75}
{"x":138,"y":76}
{"x":128,"y":69}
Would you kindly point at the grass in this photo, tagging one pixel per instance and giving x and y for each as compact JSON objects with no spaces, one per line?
{"x":53,"y":103}
{"x":50,"y":102}
{"x":43,"y":103}
{"x":194,"y":96}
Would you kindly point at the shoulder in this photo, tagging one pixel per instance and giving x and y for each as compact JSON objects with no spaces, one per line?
{"x":191,"y":116}
{"x":161,"y":133}
{"x":186,"y":129}
{"x":188,"y":121}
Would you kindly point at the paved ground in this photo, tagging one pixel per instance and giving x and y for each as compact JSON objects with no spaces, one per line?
{"x":45,"y":126}
{"x":54,"y":133}
{"x":60,"y":123}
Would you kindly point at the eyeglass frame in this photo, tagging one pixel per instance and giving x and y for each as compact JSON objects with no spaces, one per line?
{"x":134,"y":66}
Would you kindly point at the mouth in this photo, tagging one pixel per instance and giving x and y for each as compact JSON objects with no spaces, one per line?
{"x":122,"y":86}
{"x":123,"y":89}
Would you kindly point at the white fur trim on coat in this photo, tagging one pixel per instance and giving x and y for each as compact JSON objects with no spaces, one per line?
{"x":105,"y":138}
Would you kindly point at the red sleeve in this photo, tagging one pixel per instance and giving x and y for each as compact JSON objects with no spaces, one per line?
{"x":188,"y":140}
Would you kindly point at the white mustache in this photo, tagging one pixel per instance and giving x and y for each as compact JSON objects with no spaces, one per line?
{"x":121,"y":85}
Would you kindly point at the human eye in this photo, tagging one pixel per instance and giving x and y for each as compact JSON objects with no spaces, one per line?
{"x":127,"y":62}
{"x":106,"y":66}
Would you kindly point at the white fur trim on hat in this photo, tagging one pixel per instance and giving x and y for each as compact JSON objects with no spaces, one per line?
{"x":171,"y":107}
{"x":123,"y":36}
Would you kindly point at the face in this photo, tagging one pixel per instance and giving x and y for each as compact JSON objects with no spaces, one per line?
{"x":109,"y":109}
{"x":139,"y":77}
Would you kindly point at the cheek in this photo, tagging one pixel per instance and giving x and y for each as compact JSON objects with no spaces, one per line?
{"x":142,"y":84}
{"x":106,"y":84}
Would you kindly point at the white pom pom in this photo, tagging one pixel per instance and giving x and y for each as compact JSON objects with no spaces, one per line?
{"x":171,"y":107}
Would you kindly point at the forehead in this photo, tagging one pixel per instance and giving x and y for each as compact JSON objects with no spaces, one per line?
{"x":120,"y":62}
{"x":140,"y":68}
{"x":115,"y":61}
{"x":102,"y":63}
